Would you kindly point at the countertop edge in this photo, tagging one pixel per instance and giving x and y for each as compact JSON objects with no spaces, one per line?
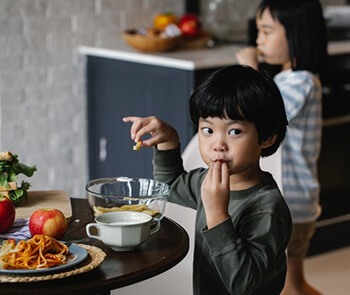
{"x":136,"y":57}
{"x":201,"y":58}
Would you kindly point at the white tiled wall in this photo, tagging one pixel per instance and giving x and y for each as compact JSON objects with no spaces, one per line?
{"x":42,"y":85}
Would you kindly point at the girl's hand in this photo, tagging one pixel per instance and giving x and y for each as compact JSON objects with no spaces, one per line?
{"x":215,"y":193}
{"x":163,"y":135}
{"x":248,"y":56}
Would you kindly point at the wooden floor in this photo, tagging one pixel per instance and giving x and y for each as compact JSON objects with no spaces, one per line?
{"x":330,"y":272}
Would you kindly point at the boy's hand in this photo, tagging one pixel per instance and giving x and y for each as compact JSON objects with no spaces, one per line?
{"x":248,"y":56}
{"x":215,"y":193}
{"x":163,"y":135}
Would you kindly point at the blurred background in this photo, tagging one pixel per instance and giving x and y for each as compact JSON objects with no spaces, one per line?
{"x":42,"y":77}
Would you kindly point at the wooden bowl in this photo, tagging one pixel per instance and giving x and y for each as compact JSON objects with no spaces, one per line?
{"x":199,"y":42}
{"x":150,"y":42}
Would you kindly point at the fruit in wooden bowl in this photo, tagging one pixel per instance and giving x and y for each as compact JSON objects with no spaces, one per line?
{"x":190,"y":26}
{"x":151,"y":40}
{"x":200,"y":41}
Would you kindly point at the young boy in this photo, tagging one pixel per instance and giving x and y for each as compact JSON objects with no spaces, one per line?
{"x":243,"y":224}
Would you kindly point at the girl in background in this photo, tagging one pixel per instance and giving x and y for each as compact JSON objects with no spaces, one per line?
{"x":292,"y":34}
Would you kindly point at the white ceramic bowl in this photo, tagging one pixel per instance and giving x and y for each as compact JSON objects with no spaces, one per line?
{"x":123,"y":231}
{"x":127,"y":194}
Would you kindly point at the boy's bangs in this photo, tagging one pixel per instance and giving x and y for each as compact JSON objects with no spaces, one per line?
{"x":226,"y":107}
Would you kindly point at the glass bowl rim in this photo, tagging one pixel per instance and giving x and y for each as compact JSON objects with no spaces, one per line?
{"x":106,"y":180}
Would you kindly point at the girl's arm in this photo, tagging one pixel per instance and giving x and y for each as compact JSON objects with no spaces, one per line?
{"x":248,"y":56}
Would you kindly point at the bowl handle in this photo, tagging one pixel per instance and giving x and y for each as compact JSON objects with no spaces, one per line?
{"x":93,"y":225}
{"x":155,"y":226}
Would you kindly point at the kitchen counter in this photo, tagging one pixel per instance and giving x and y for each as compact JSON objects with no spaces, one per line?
{"x":188,"y":59}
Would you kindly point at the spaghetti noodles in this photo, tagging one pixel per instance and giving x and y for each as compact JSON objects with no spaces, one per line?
{"x":40,"y":251}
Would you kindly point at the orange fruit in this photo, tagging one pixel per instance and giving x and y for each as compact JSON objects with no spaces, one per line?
{"x":162,"y":20}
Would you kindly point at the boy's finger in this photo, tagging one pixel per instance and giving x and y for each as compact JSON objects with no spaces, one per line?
{"x":136,"y":123}
{"x":130,"y":119}
{"x":136,"y":130}
{"x":217,"y":175}
{"x":225,"y":176}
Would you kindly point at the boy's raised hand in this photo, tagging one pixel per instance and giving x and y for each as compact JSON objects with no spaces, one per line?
{"x":162,"y":135}
{"x":215,"y":193}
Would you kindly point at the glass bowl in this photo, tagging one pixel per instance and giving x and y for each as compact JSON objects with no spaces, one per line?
{"x":127,"y":194}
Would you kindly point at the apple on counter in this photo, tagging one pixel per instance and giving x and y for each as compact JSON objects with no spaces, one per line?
{"x":7,"y":214}
{"x":50,"y":222}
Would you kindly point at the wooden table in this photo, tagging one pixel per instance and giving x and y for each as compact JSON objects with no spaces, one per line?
{"x":161,"y":252}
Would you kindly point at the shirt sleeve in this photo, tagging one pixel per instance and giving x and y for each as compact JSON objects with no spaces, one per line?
{"x":295,"y":88}
{"x":243,"y":256}
{"x":168,"y":167}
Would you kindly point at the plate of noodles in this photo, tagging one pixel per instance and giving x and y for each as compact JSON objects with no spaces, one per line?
{"x":39,"y":254}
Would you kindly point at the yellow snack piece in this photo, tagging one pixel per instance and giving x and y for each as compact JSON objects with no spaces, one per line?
{"x":137,"y":146}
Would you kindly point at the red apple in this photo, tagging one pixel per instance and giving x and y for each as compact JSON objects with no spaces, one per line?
{"x":49,"y":222}
{"x":189,"y":26}
{"x":7,"y":214}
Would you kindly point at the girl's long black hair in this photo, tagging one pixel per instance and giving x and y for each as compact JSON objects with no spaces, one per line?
{"x":305,"y":29}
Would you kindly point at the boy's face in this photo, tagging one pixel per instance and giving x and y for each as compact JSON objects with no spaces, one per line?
{"x":233,"y":142}
{"x":271,"y":41}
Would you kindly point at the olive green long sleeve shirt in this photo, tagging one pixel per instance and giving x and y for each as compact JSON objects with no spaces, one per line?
{"x":245,"y":254}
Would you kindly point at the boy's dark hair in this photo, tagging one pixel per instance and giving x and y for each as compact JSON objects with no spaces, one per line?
{"x":305,"y":29}
{"x":240,"y":93}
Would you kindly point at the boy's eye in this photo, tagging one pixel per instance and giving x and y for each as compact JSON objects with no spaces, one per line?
{"x":207,"y":130}
{"x":234,"y":132}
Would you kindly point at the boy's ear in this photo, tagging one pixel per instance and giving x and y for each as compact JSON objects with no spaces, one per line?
{"x":269,"y":141}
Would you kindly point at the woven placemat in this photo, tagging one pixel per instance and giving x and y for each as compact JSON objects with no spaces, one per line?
{"x":94,"y":259}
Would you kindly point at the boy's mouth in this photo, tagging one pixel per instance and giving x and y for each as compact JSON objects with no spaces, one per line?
{"x":220,"y":161}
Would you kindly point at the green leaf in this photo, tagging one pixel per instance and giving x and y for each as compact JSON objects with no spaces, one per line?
{"x":26,"y":170}
{"x":12,"y":177}
{"x":25,"y":186}
{"x":16,"y":195}
{"x":19,"y":193}
{"x":3,"y":180}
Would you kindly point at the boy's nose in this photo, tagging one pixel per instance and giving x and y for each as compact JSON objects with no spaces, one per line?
{"x":220,"y":146}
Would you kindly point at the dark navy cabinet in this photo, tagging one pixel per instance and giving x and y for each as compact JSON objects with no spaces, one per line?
{"x":117,"y":88}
